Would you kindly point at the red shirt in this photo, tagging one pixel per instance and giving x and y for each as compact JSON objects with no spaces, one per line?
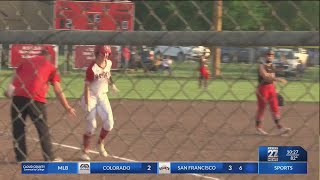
{"x":107,"y":23}
{"x":32,"y":78}
{"x":80,"y":22}
{"x":126,"y":53}
{"x":204,"y":70}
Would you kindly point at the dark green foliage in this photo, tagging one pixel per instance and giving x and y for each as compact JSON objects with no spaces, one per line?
{"x":238,"y":15}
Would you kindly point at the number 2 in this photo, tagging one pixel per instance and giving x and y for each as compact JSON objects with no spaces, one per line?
{"x":149,"y":168}
{"x":96,"y":18}
{"x":68,"y":23}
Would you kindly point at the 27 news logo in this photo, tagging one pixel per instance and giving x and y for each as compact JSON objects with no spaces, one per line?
{"x":273,"y":154}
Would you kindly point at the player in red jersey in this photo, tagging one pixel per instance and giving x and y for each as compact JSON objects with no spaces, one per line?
{"x":204,"y":73}
{"x":266,"y":94}
{"x":95,"y":99}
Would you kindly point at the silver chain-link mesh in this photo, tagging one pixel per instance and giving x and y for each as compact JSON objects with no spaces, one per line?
{"x":164,"y":115}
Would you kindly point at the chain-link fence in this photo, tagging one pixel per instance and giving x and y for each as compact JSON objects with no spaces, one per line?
{"x":164,"y":111}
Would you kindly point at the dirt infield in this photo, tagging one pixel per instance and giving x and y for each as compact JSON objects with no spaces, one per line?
{"x":170,"y":131}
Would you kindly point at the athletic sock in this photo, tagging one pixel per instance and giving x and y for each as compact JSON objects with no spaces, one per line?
{"x":86,"y":142}
{"x":277,"y":123}
{"x":103,"y":134}
{"x":258,"y":124}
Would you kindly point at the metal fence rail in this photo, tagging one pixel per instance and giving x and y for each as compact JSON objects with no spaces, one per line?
{"x":153,"y":38}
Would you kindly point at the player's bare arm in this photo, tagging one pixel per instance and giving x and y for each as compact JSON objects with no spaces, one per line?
{"x":113,"y":86}
{"x":110,"y":81}
{"x":60,"y":95}
{"x":268,"y":77}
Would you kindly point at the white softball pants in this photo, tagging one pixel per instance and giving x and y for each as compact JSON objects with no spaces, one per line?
{"x":98,"y":105}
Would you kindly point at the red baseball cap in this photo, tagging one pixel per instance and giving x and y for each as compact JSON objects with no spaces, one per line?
{"x":102,"y":49}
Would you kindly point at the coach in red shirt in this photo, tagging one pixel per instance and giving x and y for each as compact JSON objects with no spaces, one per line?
{"x":28,"y":90}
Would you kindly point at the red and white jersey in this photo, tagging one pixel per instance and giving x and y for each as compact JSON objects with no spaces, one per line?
{"x":98,"y":78}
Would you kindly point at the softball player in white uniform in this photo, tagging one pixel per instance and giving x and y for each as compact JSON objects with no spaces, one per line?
{"x":95,"y":99}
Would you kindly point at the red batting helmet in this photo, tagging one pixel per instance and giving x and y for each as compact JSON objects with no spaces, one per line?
{"x":102,"y":49}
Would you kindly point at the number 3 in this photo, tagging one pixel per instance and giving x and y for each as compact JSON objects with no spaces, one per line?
{"x":230,"y":168}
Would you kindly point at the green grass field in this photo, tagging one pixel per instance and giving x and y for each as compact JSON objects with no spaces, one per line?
{"x":237,"y":84}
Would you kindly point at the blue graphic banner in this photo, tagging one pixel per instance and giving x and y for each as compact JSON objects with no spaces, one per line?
{"x":282,"y":154}
{"x":240,"y":168}
{"x":49,"y":168}
{"x":164,"y":167}
{"x":196,"y":167}
{"x":213,"y":167}
{"x":283,"y":168}
{"x":123,"y":168}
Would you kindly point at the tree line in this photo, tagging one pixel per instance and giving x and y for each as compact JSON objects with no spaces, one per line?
{"x":237,"y":15}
